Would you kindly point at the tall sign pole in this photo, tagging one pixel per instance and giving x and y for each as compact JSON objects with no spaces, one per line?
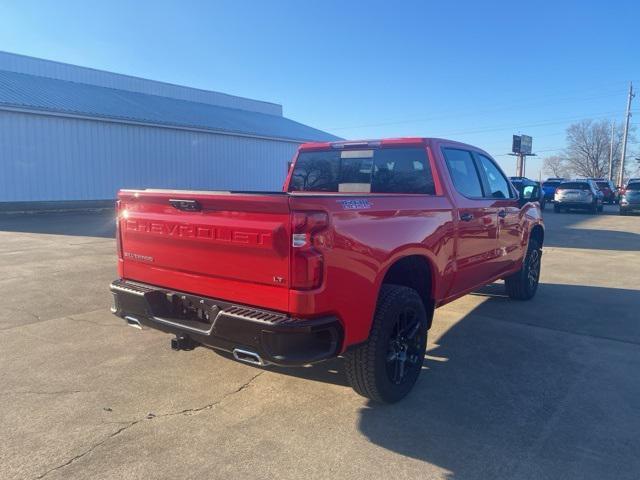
{"x":610,"y":176}
{"x":625,"y":135}
{"x":520,"y":165}
{"x":521,"y":148}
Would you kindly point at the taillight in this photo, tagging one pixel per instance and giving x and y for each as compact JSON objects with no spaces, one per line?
{"x":307,"y":262}
{"x":120,"y":214}
{"x":118,"y":237}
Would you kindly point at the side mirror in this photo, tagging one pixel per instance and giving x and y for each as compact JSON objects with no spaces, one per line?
{"x":528,"y":193}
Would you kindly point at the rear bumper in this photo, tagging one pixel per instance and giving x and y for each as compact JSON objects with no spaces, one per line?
{"x":629,"y":206}
{"x":276,"y":337}
{"x":574,"y":204}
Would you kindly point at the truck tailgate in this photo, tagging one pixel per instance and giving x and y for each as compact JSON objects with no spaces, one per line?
{"x":232,"y":246}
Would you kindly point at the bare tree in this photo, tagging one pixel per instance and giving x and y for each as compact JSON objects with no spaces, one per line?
{"x":588,"y":144}
{"x":636,"y":163}
{"x":555,"y":166}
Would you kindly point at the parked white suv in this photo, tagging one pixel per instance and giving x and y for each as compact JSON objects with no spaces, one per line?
{"x":580,"y":194}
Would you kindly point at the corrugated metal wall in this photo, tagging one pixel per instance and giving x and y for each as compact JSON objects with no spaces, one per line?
{"x":74,"y":73}
{"x":47,"y":158}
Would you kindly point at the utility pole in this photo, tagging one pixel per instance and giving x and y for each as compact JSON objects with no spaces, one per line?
{"x":626,"y":133}
{"x":613,"y":123}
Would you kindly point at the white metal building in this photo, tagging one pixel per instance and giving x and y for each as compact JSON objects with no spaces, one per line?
{"x":70,"y":134}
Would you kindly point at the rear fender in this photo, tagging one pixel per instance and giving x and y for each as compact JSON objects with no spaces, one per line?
{"x":403,"y":253}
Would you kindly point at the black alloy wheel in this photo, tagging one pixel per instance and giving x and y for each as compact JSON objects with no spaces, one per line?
{"x":405,"y":346}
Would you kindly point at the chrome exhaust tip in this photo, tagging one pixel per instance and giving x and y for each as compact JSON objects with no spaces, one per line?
{"x":133,"y":322}
{"x":248,"y":357}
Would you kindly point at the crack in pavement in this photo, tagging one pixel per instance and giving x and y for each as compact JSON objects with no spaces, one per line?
{"x":89,"y":450}
{"x":149,"y":417}
{"x":35,"y":392}
{"x":118,"y":324}
{"x":40,"y":319}
{"x":37,"y":318}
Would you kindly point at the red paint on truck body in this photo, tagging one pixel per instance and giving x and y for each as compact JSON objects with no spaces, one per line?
{"x":238,"y":247}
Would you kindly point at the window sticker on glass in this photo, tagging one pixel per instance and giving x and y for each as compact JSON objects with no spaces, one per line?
{"x":356,"y":154}
{"x":354,"y":187}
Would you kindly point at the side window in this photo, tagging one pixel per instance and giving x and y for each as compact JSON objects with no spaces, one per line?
{"x":463,"y":172}
{"x":527,"y":192}
{"x":498,"y":184}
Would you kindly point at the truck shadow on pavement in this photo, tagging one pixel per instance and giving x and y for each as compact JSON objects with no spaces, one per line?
{"x":330,"y":371}
{"x":526,"y":390}
{"x":540,"y":389}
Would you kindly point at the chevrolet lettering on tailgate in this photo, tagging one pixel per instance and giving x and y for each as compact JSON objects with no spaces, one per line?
{"x":201,"y":232}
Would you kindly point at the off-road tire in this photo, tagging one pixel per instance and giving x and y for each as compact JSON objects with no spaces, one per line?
{"x":366,"y":364}
{"x":519,"y":285}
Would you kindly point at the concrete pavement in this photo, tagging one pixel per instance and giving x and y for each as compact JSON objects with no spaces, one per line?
{"x":519,"y":390}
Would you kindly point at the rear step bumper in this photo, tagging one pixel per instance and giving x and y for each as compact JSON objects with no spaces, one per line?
{"x":275,"y":337}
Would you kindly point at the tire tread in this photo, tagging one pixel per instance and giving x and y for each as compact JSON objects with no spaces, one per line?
{"x":516,"y":285}
{"x":360,"y":361}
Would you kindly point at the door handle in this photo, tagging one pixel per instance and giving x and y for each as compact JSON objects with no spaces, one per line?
{"x":466,"y":216}
{"x":502,"y":213}
{"x":185,"y":205}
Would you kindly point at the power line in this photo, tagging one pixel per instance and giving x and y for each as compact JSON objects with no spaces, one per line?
{"x":527,"y":125}
{"x":506,"y":107}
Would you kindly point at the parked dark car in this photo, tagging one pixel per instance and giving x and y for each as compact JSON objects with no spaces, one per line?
{"x":578,"y":194}
{"x":549,"y":188}
{"x":620,"y":189}
{"x":633,"y":180}
{"x":630,"y":198}
{"x":528,"y":188}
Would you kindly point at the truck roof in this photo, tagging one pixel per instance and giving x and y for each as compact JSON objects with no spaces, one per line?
{"x":378,"y":142}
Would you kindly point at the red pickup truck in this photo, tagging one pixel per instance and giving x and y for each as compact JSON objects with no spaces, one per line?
{"x":351,"y":258}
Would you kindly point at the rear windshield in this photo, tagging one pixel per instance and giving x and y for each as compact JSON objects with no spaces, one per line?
{"x":574,"y":186}
{"x":602,"y":185}
{"x":385,"y":170}
{"x":550,"y":184}
{"x":634,"y":186}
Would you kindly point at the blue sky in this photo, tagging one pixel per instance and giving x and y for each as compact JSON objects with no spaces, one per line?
{"x":472,"y":71}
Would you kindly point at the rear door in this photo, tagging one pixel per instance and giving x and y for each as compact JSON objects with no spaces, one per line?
{"x":225,"y":245}
{"x":476,"y":222}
